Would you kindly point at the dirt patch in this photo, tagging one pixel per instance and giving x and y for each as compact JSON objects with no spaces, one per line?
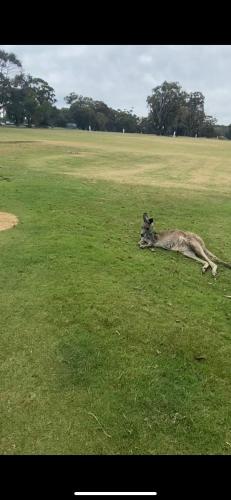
{"x":7,"y":221}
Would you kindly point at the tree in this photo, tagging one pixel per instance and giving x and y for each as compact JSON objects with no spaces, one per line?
{"x":101,"y":121}
{"x":173,"y":109}
{"x":164,"y":104}
{"x":84,"y":111}
{"x":61,"y":117}
{"x":31,"y":98}
{"x":125,"y":120}
{"x":22,"y":93}
{"x":228,"y":132}
{"x":15,"y":106}
{"x":104,"y":115}
{"x":37,"y":99}
{"x":81,"y":110}
{"x":9,"y":65}
{"x":207,"y":128}
{"x":43,"y":92}
{"x":72,"y":97}
{"x":144,"y":125}
{"x":195,"y":113}
{"x":39,"y":102}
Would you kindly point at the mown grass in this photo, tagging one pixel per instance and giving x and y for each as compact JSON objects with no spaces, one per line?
{"x":99,"y":340}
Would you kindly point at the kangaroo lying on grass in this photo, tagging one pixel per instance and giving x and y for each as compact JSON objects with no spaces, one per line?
{"x":189,"y":244}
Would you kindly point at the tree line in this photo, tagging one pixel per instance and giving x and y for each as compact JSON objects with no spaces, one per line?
{"x":29,"y":101}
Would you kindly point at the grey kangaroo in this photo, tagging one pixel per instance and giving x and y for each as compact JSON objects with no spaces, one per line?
{"x":189,"y":244}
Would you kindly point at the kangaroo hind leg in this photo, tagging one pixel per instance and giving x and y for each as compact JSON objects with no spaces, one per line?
{"x":189,"y":253}
{"x":197,"y":248}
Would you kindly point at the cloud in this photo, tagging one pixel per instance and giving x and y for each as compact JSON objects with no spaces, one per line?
{"x":145,"y":58}
{"x":124,"y":75}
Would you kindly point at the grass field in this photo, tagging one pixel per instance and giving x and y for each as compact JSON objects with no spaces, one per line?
{"x":99,"y":339}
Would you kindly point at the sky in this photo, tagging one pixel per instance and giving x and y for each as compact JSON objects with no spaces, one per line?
{"x":124,"y":75}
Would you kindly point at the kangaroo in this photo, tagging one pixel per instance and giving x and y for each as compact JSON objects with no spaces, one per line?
{"x":189,"y":244}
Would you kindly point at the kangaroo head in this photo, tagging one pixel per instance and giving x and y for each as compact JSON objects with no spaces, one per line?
{"x":146,"y":234}
{"x":147,"y":220}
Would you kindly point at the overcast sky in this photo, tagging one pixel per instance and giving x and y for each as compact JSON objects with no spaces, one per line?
{"x":123,"y":75}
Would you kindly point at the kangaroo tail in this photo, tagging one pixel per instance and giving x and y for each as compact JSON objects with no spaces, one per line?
{"x":214,"y":257}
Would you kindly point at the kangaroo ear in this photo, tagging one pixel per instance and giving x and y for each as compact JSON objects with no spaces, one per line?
{"x":145,"y":217}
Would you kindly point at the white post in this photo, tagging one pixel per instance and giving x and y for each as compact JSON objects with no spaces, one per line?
{"x":123,"y":130}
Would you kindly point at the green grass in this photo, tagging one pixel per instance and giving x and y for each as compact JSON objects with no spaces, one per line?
{"x":99,"y":338}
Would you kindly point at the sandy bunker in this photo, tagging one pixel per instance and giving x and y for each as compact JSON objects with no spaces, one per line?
{"x":7,"y":220}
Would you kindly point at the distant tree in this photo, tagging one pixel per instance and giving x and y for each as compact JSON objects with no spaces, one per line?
{"x":171,"y":109}
{"x":85,"y":111}
{"x":60,"y":117}
{"x":39,"y":102}
{"x":25,"y":94}
{"x":43,"y":92}
{"x":207,"y":128}
{"x":104,"y":115}
{"x":81,"y":110}
{"x":32,"y":99}
{"x":81,"y":100}
{"x":15,"y":106}
{"x":164,"y":105}
{"x":220,"y":130}
{"x":9,"y":66}
{"x":182,"y":119}
{"x":145,"y":126}
{"x":70,"y":98}
{"x":44,"y":115}
{"x":195,"y":113}
{"x":125,"y":120}
{"x":228,"y":132}
{"x":101,"y":121}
